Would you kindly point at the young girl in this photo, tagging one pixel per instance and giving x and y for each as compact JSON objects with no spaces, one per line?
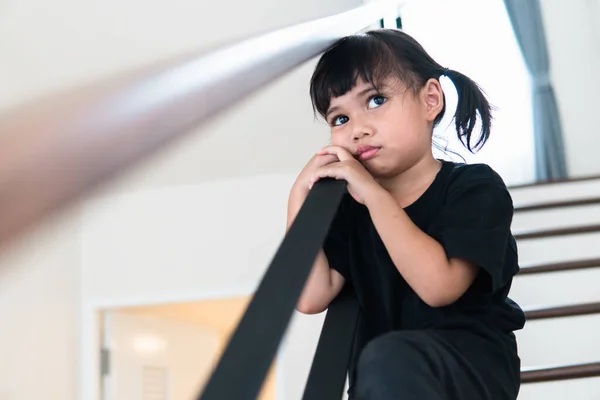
{"x":425,"y":243}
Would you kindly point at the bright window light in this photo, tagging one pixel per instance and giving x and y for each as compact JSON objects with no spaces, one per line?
{"x":475,"y":37}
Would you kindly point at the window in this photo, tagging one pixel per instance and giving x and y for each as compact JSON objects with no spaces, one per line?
{"x":475,"y":37}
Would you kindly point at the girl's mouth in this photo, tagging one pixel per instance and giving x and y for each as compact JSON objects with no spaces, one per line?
{"x":367,"y":152}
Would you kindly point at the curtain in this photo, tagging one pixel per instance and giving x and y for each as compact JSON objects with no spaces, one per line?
{"x":526,"y":20}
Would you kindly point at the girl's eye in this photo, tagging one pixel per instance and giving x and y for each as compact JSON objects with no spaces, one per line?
{"x":339,"y":120}
{"x":376,"y":101}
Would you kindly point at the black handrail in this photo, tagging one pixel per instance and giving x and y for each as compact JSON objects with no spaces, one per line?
{"x":328,"y":372}
{"x":252,"y":347}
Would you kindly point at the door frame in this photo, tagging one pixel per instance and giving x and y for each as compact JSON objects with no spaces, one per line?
{"x":91,"y":339}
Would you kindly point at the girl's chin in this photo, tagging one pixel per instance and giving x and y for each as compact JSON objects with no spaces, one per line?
{"x":379,"y":172}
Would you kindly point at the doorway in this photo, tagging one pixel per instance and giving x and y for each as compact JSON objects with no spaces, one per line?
{"x":167,"y":351}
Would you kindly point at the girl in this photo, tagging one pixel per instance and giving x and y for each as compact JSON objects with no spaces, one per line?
{"x":425,"y":243}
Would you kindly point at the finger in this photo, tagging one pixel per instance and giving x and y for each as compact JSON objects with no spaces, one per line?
{"x":335,"y":150}
{"x":335,"y":171}
{"x":324,"y":159}
{"x":314,"y":179}
{"x":338,"y":151}
{"x":327,"y":156}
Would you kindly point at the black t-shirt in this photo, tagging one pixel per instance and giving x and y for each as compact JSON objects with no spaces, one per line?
{"x":468,"y":210}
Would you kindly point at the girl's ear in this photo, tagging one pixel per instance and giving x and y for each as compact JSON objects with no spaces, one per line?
{"x":433,"y":97}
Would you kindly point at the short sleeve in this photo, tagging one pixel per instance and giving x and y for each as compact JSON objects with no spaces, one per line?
{"x":336,"y":245}
{"x":474,"y":224}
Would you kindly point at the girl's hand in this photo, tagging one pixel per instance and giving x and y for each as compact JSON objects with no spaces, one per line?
{"x":361,"y":183}
{"x":304,"y":182}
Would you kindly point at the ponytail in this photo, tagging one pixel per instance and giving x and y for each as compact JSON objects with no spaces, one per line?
{"x":471,"y":101}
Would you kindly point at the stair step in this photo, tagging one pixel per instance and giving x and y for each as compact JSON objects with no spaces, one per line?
{"x":554,"y":249}
{"x":554,"y":182}
{"x":552,"y":218}
{"x":564,"y":191}
{"x":551,"y":341}
{"x":546,"y":233}
{"x":561,"y":288}
{"x":535,"y":206}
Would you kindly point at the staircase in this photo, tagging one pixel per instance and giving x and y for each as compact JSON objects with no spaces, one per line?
{"x":557,"y":227}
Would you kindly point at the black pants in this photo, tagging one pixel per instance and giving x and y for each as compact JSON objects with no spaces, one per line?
{"x":437,"y":365}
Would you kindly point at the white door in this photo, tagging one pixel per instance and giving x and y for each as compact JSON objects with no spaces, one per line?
{"x":154,"y":358}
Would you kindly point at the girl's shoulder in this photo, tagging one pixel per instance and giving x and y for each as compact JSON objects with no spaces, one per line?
{"x":474,"y":183}
{"x":462,"y":175}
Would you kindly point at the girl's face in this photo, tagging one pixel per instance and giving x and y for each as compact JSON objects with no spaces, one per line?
{"x":388,"y":131}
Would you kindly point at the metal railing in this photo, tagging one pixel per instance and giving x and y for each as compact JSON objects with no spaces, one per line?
{"x":55,"y":150}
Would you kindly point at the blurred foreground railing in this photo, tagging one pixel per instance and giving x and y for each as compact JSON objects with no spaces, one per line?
{"x":58,"y":149}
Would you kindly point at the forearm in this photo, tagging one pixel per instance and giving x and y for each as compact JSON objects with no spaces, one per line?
{"x":419,"y":258}
{"x":321,"y":287}
{"x":295,"y":201}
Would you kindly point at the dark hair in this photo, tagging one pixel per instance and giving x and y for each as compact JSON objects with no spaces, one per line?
{"x":382,"y":53}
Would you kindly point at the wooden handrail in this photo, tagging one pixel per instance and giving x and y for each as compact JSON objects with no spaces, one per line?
{"x":557,"y":204}
{"x":546,"y":233}
{"x":560,"y":266}
{"x":562,"y":311}
{"x":54,"y":151}
{"x":555,"y":373}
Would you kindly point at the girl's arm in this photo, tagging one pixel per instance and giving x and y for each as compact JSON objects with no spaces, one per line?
{"x":324,"y":283}
{"x":421,"y":260}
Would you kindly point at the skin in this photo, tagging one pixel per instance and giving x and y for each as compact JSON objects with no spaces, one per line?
{"x":399,"y":123}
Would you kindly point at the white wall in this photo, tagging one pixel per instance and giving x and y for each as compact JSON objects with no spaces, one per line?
{"x":207,"y":237}
{"x":39,"y":292}
{"x":192,"y":242}
{"x":573,"y":35}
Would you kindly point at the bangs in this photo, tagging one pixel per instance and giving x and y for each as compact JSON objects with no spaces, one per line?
{"x":358,"y":56}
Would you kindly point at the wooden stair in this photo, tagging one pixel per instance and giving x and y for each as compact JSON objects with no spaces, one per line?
{"x":557,"y":373}
{"x":560,"y":266}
